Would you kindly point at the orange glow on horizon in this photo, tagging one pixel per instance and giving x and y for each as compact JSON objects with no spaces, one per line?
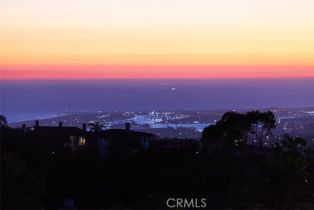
{"x":52,"y":72}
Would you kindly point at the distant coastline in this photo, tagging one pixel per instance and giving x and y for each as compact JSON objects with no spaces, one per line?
{"x":182,"y":124}
{"x":32,"y":117}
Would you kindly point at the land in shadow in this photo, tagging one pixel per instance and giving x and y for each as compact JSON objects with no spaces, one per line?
{"x":96,"y":168}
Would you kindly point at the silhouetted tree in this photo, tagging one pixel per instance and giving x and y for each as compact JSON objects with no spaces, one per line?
{"x":234,"y":128}
{"x":291,"y":145}
{"x":262,"y":126}
{"x":96,"y":127}
{"x":3,"y":121}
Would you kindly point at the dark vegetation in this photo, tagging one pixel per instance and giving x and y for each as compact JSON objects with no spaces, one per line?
{"x":38,"y":173}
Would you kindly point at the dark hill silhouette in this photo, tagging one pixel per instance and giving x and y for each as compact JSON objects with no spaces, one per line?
{"x":125,"y":169}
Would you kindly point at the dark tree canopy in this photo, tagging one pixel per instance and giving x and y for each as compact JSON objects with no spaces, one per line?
{"x":233,"y":128}
{"x":96,"y":127}
{"x":291,"y":145}
{"x":3,"y":121}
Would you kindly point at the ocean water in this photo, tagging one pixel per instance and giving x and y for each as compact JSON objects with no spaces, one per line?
{"x":25,"y":100}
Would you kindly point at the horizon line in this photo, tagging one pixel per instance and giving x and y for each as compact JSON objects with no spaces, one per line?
{"x":151,"y":72}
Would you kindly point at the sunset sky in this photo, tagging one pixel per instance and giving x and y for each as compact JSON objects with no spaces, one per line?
{"x":105,"y":39}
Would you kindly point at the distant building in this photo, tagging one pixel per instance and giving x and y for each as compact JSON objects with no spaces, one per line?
{"x":66,"y":137}
{"x":117,"y":141}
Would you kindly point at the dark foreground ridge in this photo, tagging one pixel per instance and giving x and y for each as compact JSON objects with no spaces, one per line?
{"x":45,"y":167}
